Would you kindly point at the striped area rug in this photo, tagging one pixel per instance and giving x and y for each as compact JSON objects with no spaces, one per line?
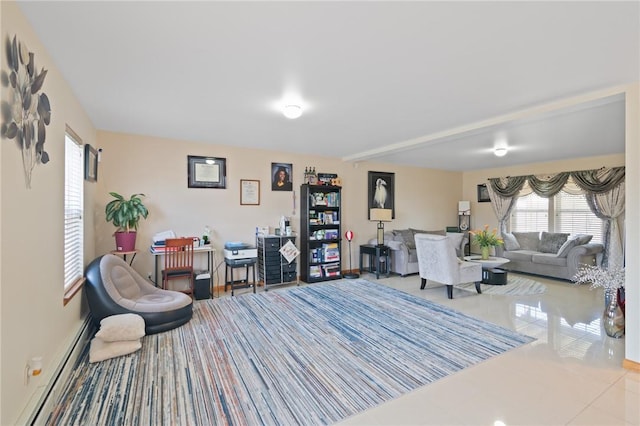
{"x":313,"y":354}
{"x":516,"y":286}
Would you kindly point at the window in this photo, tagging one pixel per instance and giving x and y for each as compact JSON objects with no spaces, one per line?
{"x":574,"y":216}
{"x":73,"y":213}
{"x":564,"y":212}
{"x":531,"y":213}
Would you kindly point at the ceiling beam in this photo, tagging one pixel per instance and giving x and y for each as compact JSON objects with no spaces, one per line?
{"x":555,"y":107}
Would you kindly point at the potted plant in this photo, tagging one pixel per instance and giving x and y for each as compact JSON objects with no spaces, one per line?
{"x":125,"y":215}
{"x":486,"y":240}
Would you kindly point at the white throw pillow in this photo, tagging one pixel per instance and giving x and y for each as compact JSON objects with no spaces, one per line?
{"x":121,"y":327}
{"x":101,"y":350}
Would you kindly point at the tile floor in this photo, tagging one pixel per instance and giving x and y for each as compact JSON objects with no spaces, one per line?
{"x":571,"y":375}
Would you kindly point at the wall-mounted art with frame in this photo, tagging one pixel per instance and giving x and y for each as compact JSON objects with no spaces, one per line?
{"x":381,"y":192}
{"x":281,"y":176}
{"x":249,"y":192}
{"x":90,"y":163}
{"x":483,"y":193}
{"x":207,"y":172}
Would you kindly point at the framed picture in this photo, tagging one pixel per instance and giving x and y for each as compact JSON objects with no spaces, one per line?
{"x":281,"y":176}
{"x":207,"y":172}
{"x":483,"y":193}
{"x":249,"y":192}
{"x":90,"y":163}
{"x":381,"y":192}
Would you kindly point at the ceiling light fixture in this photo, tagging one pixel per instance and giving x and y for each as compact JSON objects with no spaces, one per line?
{"x":292,"y":111}
{"x":500,"y":152}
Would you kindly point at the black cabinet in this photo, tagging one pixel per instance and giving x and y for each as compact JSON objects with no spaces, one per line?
{"x":272,"y":266}
{"x":320,"y":233}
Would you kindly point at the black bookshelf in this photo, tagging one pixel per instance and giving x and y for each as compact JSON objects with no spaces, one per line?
{"x":320,"y":233}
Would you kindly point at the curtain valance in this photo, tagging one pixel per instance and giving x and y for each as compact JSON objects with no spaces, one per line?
{"x":597,"y":181}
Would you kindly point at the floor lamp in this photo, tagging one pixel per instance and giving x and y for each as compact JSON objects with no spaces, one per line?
{"x":351,"y":275}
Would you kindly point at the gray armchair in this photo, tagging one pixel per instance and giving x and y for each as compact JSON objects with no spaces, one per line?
{"x":437,"y":261}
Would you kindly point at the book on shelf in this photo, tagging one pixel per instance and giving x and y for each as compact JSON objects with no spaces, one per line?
{"x":331,"y":270}
{"x":315,"y":271}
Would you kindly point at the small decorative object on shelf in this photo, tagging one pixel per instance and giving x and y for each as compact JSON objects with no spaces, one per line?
{"x":611,"y":280}
{"x":326,"y":178}
{"x":486,"y":240}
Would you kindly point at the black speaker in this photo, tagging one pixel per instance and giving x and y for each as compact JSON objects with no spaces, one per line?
{"x":202,"y":289}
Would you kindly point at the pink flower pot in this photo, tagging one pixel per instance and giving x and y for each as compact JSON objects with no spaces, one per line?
{"x":125,"y":241}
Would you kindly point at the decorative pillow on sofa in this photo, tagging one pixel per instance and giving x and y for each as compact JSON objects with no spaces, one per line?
{"x":583,"y":238}
{"x":510,"y":242}
{"x":550,"y":242}
{"x":407,"y":237}
{"x":528,"y":240}
{"x":567,"y":246}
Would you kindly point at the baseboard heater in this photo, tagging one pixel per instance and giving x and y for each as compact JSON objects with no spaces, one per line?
{"x":52,"y":392}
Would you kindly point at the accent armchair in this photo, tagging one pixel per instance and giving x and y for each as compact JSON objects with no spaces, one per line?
{"x":437,"y":261}
{"x":113,"y":287}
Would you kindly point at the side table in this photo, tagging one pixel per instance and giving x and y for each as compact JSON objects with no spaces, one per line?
{"x":231,"y":264}
{"x":124,"y":255}
{"x":376,"y":254}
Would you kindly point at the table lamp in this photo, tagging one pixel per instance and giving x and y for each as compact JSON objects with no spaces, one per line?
{"x":380,"y":215}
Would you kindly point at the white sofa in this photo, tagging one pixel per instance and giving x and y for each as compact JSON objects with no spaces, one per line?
{"x":404,"y":259}
{"x":550,"y":254}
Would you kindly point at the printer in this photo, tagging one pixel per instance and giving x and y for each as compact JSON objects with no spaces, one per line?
{"x":238,"y":251}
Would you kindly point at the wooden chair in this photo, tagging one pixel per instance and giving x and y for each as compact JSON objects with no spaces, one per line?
{"x":178,"y":262}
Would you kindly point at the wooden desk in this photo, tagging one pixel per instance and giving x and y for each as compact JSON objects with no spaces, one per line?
{"x":206,"y":249}
{"x":124,"y":254}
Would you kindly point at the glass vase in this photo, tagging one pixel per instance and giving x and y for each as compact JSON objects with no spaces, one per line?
{"x":612,"y":318}
{"x":484,"y":251}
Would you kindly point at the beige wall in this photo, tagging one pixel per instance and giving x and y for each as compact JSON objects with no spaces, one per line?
{"x":34,"y":321}
{"x":158,"y":168}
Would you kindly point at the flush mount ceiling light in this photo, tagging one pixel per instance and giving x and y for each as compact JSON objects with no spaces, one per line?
{"x":500,"y":152}
{"x":292,"y":111}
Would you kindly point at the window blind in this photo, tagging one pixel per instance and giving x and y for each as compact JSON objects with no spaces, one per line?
{"x":73,"y":211}
{"x":574,"y":216}
{"x":530,"y":214}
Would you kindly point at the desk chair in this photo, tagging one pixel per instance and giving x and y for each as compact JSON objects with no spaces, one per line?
{"x":178,"y":262}
{"x":437,"y":261}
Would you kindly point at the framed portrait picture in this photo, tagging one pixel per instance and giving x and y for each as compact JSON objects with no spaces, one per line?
{"x":206,"y":172}
{"x":90,"y":163}
{"x":281,"y":176}
{"x":249,"y":192}
{"x":483,"y":193}
{"x":381,"y":192}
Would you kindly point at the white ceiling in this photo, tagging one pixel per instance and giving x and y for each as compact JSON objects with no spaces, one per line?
{"x":430,"y":84}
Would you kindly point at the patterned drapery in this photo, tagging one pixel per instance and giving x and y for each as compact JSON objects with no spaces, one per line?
{"x":603,"y":189}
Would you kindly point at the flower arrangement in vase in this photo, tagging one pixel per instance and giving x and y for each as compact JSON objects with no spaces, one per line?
{"x":611,"y":280}
{"x":486,"y":240}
